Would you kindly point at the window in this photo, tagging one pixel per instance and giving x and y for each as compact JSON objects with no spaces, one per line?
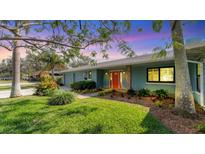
{"x":153,"y":75}
{"x":198,"y":74}
{"x":88,"y":75}
{"x":167,"y":74}
{"x":85,"y":74}
{"x":163,"y":74}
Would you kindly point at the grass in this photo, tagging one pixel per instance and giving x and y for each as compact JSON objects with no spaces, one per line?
{"x":22,"y":87}
{"x":201,"y":128}
{"x":32,"y":114}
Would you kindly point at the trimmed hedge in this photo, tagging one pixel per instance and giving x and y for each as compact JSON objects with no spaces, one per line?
{"x":131,"y":92}
{"x":82,"y":85}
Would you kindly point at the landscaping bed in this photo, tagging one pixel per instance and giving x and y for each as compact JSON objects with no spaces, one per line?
{"x":178,"y":123}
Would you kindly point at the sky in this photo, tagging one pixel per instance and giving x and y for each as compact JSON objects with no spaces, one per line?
{"x":145,"y":41}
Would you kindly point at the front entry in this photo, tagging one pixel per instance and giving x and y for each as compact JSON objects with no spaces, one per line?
{"x":115,"y":84}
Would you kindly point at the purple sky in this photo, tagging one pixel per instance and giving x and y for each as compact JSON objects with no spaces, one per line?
{"x":144,"y":42}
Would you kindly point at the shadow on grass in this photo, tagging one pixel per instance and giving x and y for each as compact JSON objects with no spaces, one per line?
{"x":153,"y":125}
{"x":23,"y":122}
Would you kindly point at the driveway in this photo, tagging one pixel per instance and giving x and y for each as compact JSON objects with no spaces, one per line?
{"x":25,"y":92}
{"x":26,"y":83}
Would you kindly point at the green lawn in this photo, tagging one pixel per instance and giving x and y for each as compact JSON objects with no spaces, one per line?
{"x":22,"y":87}
{"x":31,"y":114}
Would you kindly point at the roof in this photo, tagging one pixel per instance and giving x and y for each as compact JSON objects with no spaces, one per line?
{"x":148,"y":58}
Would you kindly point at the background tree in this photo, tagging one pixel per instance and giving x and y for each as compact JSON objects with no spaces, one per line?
{"x":52,"y":61}
{"x":5,"y":68}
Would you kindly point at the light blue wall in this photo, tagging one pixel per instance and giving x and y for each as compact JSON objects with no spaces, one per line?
{"x":192,"y":73}
{"x":139,"y":78}
{"x":106,"y":81}
{"x":68,"y":78}
{"x":124,"y":82}
{"x":71,"y":77}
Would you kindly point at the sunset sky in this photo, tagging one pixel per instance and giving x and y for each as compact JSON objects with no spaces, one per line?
{"x":144,"y":42}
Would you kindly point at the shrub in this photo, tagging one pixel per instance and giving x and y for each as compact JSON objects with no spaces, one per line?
{"x":131,"y":92}
{"x":62,"y":97}
{"x":159,"y":103}
{"x":82,"y":85}
{"x":46,"y":86}
{"x":102,"y":93}
{"x":144,"y":92}
{"x":105,"y":92}
{"x":161,"y":94}
{"x":59,"y":81}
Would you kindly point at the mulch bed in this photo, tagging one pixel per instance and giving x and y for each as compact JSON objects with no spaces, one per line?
{"x":178,"y":123}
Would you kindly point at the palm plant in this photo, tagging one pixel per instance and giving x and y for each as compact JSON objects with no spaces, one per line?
{"x":52,"y":61}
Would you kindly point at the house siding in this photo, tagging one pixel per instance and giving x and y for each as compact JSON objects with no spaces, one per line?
{"x":139,"y":78}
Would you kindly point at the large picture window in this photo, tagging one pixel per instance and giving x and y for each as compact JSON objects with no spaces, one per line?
{"x":161,"y":74}
{"x":198,"y":73}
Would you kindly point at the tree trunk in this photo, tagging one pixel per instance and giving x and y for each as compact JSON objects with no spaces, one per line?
{"x":184,"y":99}
{"x":16,"y":59}
{"x":16,"y":66}
{"x":52,"y":73}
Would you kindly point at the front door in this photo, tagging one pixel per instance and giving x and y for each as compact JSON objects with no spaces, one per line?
{"x":116,"y":80}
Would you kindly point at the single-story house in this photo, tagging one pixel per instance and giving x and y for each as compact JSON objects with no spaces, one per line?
{"x":143,"y":72}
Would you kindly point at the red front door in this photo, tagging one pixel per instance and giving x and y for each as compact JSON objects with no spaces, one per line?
{"x":116,"y":80}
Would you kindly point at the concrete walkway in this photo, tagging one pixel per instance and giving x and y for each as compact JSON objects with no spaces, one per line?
{"x":26,"y":83}
{"x":25,"y":92}
{"x":83,"y":96}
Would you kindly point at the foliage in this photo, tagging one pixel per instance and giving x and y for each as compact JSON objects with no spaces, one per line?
{"x":52,"y":60}
{"x":62,"y":97}
{"x":201,"y":128}
{"x":157,"y":25}
{"x":161,"y":94}
{"x":32,"y":115}
{"x":131,"y":92}
{"x":144,"y":92}
{"x":82,"y":85}
{"x":105,"y":92}
{"x":47,"y":85}
{"x":59,"y":81}
{"x":6,"y":68}
{"x":159,"y":103}
{"x":125,"y":49}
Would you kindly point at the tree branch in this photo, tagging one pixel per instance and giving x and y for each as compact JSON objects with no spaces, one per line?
{"x":39,"y":40}
{"x":53,"y":42}
{"x":1,"y":45}
{"x":174,"y":25}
